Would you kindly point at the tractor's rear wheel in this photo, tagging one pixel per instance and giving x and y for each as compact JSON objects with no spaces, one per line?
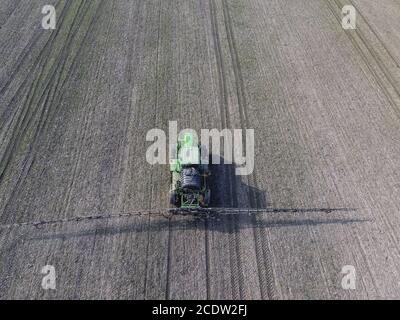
{"x":173,"y":198}
{"x":207,"y":198}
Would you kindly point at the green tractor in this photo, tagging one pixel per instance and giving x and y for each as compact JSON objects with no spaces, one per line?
{"x":189,"y":189}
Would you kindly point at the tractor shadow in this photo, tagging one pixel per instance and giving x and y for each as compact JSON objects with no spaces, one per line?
{"x":226,"y":223}
{"x":228,"y":190}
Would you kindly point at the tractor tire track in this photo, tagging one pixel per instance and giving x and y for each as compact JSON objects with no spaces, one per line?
{"x":377,"y":68}
{"x":26,"y":115}
{"x":155,"y":175}
{"x":58,"y":92}
{"x":206,"y":14}
{"x":50,"y":92}
{"x":261,"y":237}
{"x":38,"y":66}
{"x":30,"y":46}
{"x":83,"y":132}
{"x":235,"y":261}
{"x":388,"y":77}
{"x":78,"y":19}
{"x":25,"y":119}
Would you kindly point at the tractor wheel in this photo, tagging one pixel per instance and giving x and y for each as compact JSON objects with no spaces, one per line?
{"x":173,"y":198}
{"x":207,"y":198}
